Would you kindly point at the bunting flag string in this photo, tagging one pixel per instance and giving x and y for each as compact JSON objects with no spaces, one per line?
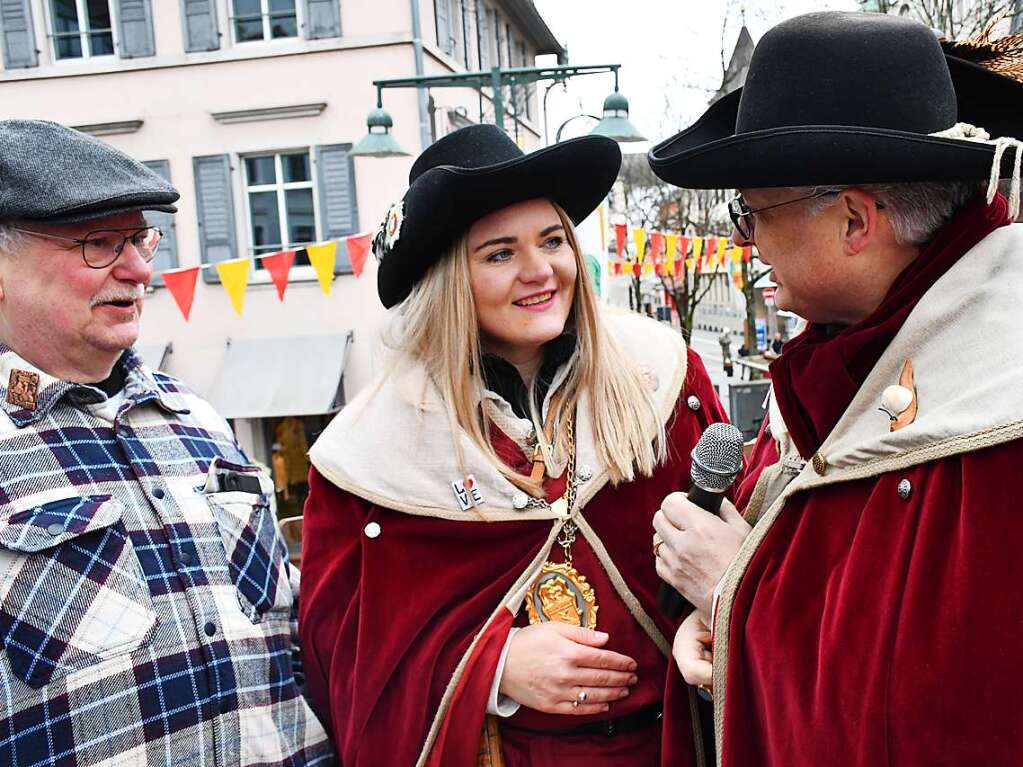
{"x":234,"y":274}
{"x":620,"y":232}
{"x":639,"y":241}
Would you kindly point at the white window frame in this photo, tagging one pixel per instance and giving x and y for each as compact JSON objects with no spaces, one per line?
{"x":298,"y":272}
{"x":83,"y":32}
{"x":264,"y":10}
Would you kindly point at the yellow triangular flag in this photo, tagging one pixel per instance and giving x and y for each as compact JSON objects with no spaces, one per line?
{"x":720,"y":257}
{"x":639,"y":239}
{"x":690,"y":263}
{"x":323,"y":258}
{"x":648,"y":268}
{"x":670,"y":247}
{"x":735,"y":252}
{"x":697,"y":248}
{"x":234,"y":275}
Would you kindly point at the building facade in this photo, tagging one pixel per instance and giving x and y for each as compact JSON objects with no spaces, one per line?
{"x":250,"y":108}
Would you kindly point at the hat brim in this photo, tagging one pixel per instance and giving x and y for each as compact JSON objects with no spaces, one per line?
{"x":710,"y":155}
{"x":82,"y":217}
{"x":443,"y":202}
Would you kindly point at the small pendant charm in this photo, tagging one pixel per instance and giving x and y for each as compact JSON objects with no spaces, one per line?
{"x":561,"y":594}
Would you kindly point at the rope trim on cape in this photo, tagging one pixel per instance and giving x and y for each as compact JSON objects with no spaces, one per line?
{"x":967,"y":132}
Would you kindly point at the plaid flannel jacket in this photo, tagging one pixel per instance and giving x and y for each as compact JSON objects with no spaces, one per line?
{"x":146,"y":604}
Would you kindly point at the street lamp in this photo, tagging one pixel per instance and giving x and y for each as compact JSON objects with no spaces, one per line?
{"x":615,"y":123}
{"x":379,"y":142}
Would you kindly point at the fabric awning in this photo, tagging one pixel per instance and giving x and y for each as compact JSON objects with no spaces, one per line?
{"x":154,"y":355}
{"x":276,"y":377}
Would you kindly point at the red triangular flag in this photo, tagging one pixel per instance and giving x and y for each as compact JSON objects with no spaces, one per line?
{"x":279,"y":265}
{"x":747,"y":253}
{"x":620,"y":233}
{"x":637,"y":269}
{"x":656,"y":246}
{"x":181,"y":284}
{"x":683,"y":247}
{"x":358,"y":250}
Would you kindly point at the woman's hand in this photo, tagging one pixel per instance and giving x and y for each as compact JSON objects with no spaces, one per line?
{"x":550,"y":664}
{"x":697,"y":546}
{"x":692,"y":650}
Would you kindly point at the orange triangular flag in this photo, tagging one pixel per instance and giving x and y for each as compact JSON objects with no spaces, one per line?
{"x":358,"y":250}
{"x":279,"y":265}
{"x":235,"y":276}
{"x":656,"y":244}
{"x":620,"y":238}
{"x":181,"y":284}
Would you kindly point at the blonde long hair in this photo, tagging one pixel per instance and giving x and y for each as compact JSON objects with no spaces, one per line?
{"x":437,"y":326}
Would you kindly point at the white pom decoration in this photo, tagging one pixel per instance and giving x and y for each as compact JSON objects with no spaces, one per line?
{"x":895,"y":399}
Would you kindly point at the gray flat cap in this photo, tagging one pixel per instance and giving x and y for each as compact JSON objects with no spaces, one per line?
{"x":52,"y":173}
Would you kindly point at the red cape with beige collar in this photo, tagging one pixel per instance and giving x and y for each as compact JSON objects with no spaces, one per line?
{"x":875,"y":615}
{"x":407,"y":600}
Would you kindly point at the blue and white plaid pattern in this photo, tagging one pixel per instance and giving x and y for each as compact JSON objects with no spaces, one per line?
{"x":146,"y":611}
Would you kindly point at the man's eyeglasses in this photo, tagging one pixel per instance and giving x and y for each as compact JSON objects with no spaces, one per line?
{"x":102,"y":247}
{"x":742,"y":215}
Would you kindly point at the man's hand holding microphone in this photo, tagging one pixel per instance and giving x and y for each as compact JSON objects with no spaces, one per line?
{"x":696,"y":537}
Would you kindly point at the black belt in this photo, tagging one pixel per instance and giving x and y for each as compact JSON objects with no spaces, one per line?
{"x":637,"y":720}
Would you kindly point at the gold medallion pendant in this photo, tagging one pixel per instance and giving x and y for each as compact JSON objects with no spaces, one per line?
{"x":560,"y":593}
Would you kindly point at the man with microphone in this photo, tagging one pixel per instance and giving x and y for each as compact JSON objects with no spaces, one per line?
{"x":871,"y":614}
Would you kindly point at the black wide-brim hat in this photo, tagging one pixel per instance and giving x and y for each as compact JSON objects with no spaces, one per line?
{"x":845,"y":98}
{"x":471,"y":173}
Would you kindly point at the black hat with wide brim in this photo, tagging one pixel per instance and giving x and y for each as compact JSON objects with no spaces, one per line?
{"x":845,"y":98}
{"x":471,"y":173}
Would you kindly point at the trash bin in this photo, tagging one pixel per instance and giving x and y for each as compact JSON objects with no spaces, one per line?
{"x":746,"y":406}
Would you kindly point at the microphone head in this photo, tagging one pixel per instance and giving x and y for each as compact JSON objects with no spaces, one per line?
{"x":717,"y":458}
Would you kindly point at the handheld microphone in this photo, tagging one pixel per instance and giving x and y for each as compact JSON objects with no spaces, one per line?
{"x":716,"y":462}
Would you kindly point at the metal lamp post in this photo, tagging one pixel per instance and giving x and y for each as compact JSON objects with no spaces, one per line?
{"x":379,"y":143}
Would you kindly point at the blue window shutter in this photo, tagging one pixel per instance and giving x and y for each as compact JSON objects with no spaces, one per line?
{"x":483,"y":34}
{"x":167,"y":255}
{"x":18,"y":39}
{"x":199,"y":18}
{"x":339,"y":214}
{"x":135,"y":19}
{"x":443,"y":14}
{"x":215,"y":206}
{"x":322,"y":19}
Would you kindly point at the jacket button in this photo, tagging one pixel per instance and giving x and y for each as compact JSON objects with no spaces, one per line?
{"x":158,"y":492}
{"x":905,"y":489}
{"x":693,"y":402}
{"x":372,"y":530}
{"x":210,"y":628}
{"x":55,"y":529}
{"x":820,"y":463}
{"x":520,"y":500}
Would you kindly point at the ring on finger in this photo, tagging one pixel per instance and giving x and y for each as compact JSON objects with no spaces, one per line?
{"x":575,"y":704}
{"x":658,"y":542}
{"x":581,"y":696}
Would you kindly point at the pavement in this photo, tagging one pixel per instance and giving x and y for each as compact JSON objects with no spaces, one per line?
{"x":705,"y":343}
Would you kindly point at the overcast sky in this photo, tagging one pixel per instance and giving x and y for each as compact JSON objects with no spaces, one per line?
{"x":669,"y":50}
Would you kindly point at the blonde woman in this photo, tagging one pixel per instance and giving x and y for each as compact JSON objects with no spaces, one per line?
{"x":478,"y":585}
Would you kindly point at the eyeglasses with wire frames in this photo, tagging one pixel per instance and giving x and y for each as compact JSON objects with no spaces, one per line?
{"x":102,"y":247}
{"x":742,"y":215}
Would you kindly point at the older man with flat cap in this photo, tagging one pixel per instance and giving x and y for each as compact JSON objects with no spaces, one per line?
{"x":146,"y":603}
{"x":872,"y":614}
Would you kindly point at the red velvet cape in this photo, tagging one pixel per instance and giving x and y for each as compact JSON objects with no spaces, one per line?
{"x":384,"y":622}
{"x":869,"y":629}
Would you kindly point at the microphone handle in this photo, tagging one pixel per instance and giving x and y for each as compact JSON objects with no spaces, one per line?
{"x":669,"y":601}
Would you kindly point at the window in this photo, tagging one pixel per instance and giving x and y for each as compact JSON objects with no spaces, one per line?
{"x":264,"y":20}
{"x":282,"y":215}
{"x":82,"y":28}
